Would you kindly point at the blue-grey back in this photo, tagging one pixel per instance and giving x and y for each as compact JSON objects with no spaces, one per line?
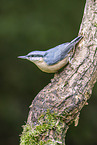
{"x":56,"y":54}
{"x":59,"y":52}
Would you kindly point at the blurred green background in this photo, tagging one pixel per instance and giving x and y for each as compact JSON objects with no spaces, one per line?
{"x":36,"y":25}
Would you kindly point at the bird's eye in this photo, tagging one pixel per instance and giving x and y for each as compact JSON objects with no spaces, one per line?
{"x":30,"y":56}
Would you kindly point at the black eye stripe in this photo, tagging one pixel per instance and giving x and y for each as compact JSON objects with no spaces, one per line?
{"x":37,"y":55}
{"x":30,"y":56}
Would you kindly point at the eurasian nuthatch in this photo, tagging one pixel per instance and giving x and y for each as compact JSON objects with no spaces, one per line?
{"x":52,"y":60}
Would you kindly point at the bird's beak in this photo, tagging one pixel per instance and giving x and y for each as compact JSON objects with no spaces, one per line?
{"x":22,"y":57}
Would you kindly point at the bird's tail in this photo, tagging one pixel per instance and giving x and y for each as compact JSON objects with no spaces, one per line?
{"x":76,"y":40}
{"x":73,"y":43}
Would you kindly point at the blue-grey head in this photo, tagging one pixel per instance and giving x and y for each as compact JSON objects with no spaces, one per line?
{"x":33,"y":56}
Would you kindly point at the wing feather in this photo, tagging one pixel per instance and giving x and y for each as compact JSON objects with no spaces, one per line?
{"x":56,"y":54}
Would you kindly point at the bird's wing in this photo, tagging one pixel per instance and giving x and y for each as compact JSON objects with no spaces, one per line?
{"x":56,"y":54}
{"x":59,"y":52}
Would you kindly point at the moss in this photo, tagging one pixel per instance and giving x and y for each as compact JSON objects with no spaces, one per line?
{"x":31,"y":135}
{"x":95,"y":24}
{"x":66,"y":82}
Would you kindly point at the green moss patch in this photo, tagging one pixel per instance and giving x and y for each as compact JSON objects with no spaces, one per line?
{"x":32,"y":135}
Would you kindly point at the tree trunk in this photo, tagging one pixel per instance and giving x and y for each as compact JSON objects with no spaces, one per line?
{"x":60,"y":102}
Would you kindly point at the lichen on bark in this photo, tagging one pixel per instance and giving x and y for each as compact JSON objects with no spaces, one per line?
{"x":68,"y":91}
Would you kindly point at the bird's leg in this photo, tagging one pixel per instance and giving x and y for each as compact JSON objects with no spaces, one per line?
{"x":70,"y":60}
{"x":71,"y":55}
{"x":55,"y":75}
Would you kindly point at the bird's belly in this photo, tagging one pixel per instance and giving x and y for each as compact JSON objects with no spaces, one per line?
{"x":52,"y":68}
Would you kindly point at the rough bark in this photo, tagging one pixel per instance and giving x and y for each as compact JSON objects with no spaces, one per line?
{"x":60,"y":102}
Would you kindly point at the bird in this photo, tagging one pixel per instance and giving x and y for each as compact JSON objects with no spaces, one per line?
{"x":52,"y":60}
